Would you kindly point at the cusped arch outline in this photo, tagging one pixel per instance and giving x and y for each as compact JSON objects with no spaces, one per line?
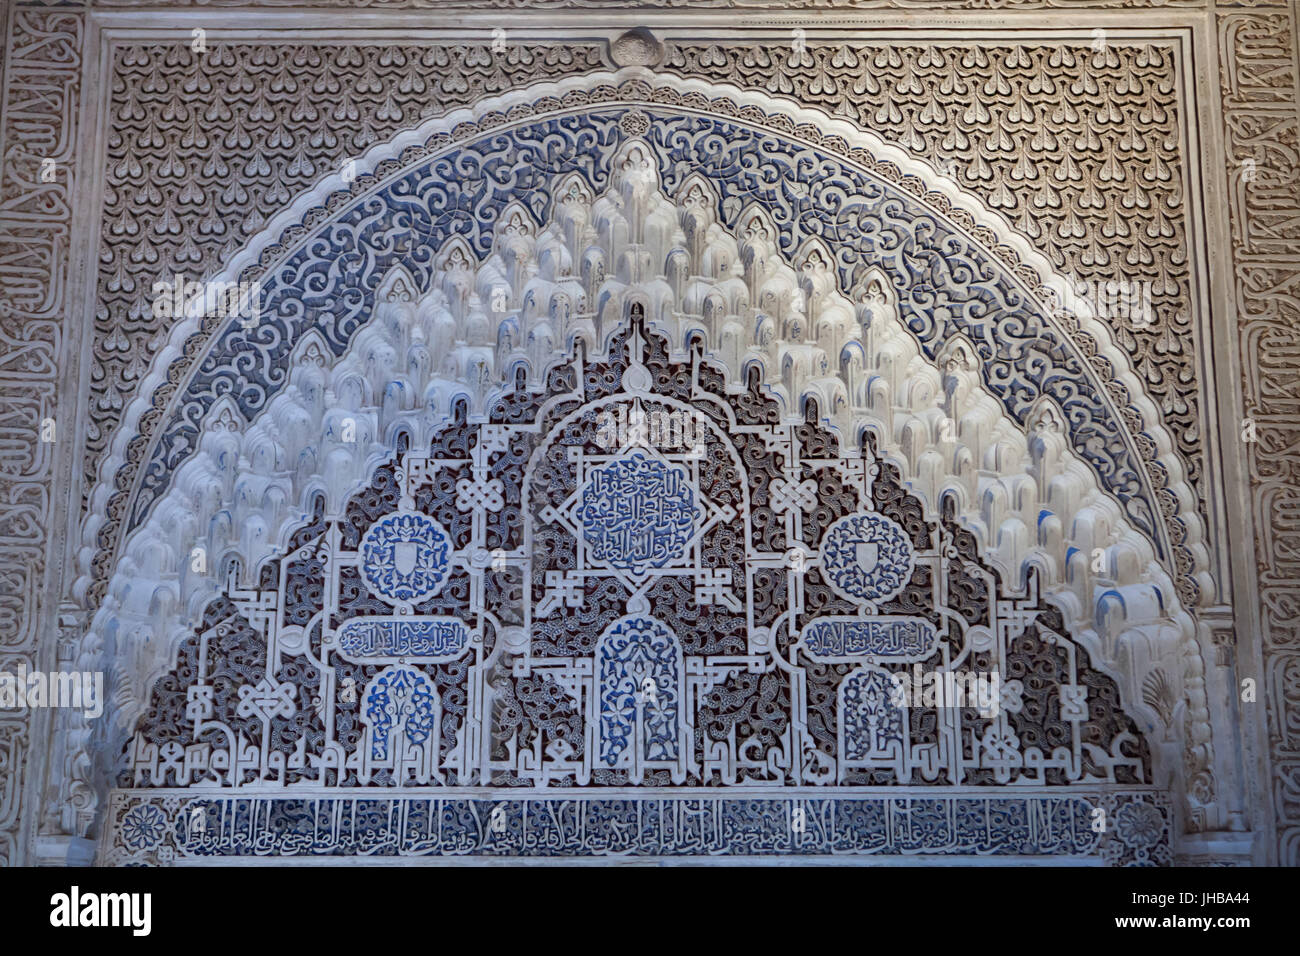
{"x":354,"y":363}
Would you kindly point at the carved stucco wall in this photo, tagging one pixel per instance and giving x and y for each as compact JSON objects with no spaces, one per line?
{"x":225,"y":498}
{"x":1260,"y":85}
{"x":1087,"y":153}
{"x":43,"y":77}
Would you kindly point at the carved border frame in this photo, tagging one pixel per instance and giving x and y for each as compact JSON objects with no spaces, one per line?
{"x":1200,"y":34}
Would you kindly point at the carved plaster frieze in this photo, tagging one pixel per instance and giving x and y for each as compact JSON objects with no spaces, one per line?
{"x":38,"y":177}
{"x":1258,"y":82}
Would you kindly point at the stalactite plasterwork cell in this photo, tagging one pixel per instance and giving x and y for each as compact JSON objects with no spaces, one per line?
{"x":689,"y":674}
{"x":1070,"y":143}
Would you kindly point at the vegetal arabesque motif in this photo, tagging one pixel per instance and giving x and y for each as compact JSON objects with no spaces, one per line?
{"x":867,"y":557}
{"x":755,"y":338}
{"x":404,"y":557}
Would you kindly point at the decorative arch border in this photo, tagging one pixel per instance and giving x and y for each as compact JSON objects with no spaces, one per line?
{"x":191,"y":344}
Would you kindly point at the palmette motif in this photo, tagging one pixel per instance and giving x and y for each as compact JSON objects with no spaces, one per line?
{"x":876,"y":226}
{"x":800,"y":327}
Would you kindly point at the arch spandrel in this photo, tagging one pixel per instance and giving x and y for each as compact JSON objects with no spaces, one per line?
{"x":855,"y":342}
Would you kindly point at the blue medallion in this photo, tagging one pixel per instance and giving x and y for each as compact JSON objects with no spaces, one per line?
{"x":638,"y":513}
{"x":404,"y":557}
{"x":867,"y":557}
